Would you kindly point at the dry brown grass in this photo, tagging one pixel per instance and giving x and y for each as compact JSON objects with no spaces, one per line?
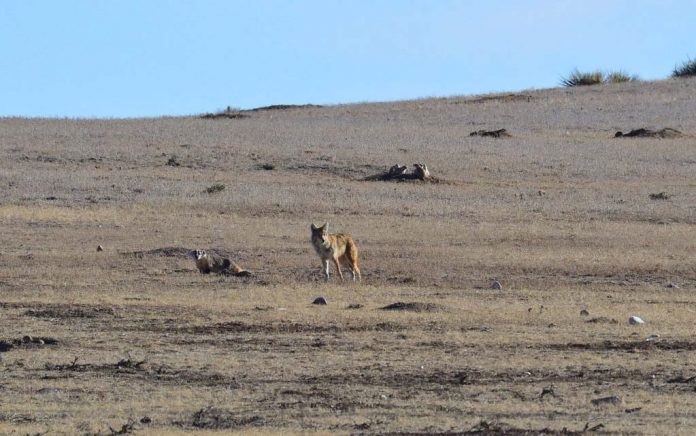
{"x":560,"y":213}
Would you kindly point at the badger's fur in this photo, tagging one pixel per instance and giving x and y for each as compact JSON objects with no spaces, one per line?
{"x":211,"y":262}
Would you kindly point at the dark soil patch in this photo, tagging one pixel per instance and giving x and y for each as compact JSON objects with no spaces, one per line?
{"x":144,"y":370}
{"x":647,"y":133}
{"x":425,"y":380}
{"x":331,"y":168}
{"x":220,"y":115}
{"x":415,"y":307}
{"x":70,"y":312}
{"x":503,"y":98}
{"x":501,"y":428}
{"x":283,"y":327}
{"x":500,"y":133}
{"x":26,"y":342}
{"x":682,"y":379}
{"x":216,"y":419}
{"x":161,"y":252}
{"x":282,"y":107}
{"x":602,"y":320}
{"x":660,"y":196}
{"x":625,"y":346}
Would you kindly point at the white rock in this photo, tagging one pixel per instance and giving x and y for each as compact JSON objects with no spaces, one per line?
{"x":495,"y":284}
{"x":652,"y":338}
{"x":635,"y":320}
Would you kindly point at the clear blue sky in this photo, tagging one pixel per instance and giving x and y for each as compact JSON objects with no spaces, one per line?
{"x":133,"y":58}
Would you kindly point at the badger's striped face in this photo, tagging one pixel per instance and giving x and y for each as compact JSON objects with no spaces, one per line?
{"x":199,"y":254}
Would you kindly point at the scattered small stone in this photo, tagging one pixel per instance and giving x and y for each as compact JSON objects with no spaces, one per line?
{"x":319,"y":300}
{"x":584,"y":312}
{"x":27,"y":339}
{"x":495,"y":284}
{"x":145,"y":420}
{"x":607,"y":400}
{"x":354,"y":306}
{"x":673,"y":285}
{"x":652,"y":338}
{"x":541,"y":193}
{"x":633,"y":409}
{"x":100,"y":248}
{"x":635,"y":320}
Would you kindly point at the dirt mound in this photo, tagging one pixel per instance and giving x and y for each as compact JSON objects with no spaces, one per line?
{"x":400,"y":173}
{"x":500,"y":133}
{"x":647,"y":133}
{"x":180,"y":252}
{"x":415,"y":307}
{"x":161,"y":252}
{"x":281,"y":107}
{"x":228,"y":115}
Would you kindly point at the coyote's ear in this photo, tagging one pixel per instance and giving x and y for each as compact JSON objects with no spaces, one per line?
{"x":314,"y":227}
{"x":325,"y":227}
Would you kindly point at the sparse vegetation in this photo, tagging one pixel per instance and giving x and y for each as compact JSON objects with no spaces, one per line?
{"x":686,"y":69}
{"x":620,"y":77}
{"x":561,"y":216}
{"x":577,"y":78}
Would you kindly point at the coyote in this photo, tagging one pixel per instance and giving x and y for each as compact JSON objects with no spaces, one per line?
{"x":338,"y":247}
